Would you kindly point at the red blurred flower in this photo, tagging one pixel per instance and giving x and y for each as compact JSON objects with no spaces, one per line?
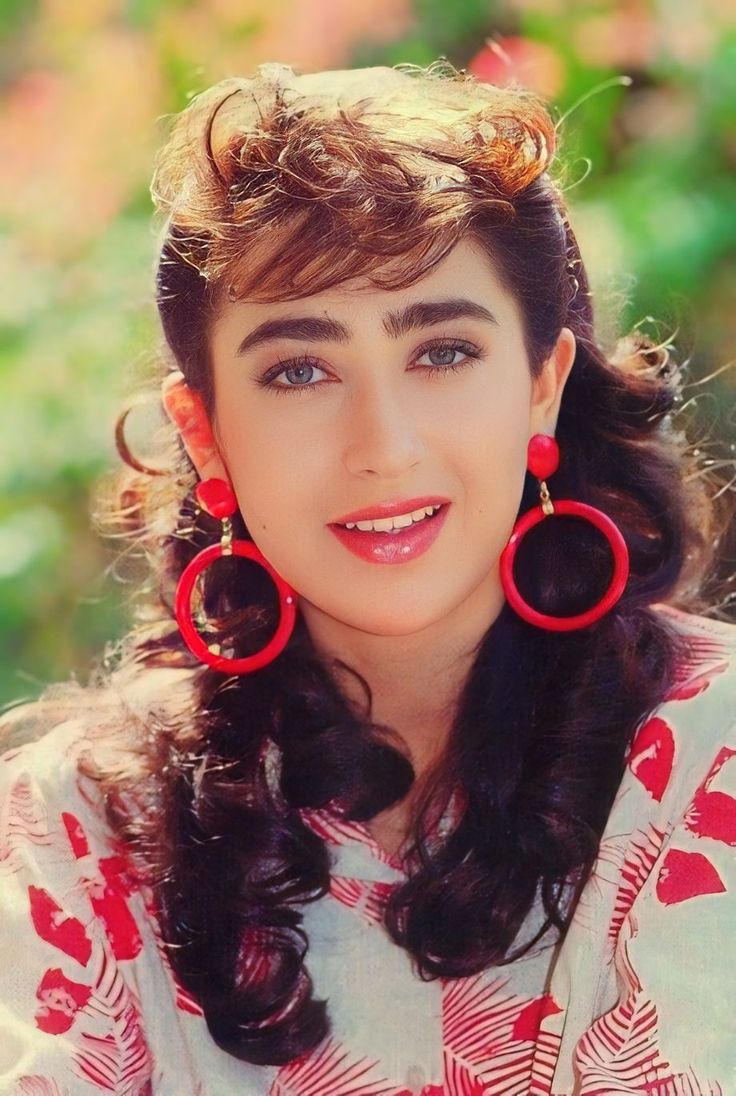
{"x":515,"y":59}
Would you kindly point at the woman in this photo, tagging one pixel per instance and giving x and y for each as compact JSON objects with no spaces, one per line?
{"x":417,"y":775}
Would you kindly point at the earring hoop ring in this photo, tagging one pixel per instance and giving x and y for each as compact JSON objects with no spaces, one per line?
{"x":121,"y":443}
{"x":193,"y":639}
{"x":620,"y":566}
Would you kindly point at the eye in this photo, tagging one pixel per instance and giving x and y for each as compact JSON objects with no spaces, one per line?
{"x":446,"y":355}
{"x":304,"y":374}
{"x":294,"y":373}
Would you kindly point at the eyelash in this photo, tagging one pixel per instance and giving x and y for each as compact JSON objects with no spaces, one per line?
{"x":471,"y":352}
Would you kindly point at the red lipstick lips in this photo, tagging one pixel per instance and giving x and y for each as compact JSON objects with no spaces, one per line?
{"x":395,"y":546}
{"x":391,"y":509}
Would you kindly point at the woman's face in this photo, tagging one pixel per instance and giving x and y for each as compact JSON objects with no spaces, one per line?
{"x":360,"y":399}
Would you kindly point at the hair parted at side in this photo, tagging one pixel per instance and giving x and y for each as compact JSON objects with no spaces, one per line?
{"x":278,"y":186}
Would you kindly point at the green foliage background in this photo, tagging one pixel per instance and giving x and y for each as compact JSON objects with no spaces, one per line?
{"x":84,"y":91}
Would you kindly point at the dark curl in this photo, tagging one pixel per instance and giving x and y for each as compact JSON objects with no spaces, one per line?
{"x":279,"y":186}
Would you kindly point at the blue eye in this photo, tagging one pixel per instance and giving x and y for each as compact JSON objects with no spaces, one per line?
{"x":442,"y":354}
{"x":298,"y":374}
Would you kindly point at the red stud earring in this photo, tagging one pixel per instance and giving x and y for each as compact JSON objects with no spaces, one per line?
{"x":543,"y":458}
{"x":216,"y":496}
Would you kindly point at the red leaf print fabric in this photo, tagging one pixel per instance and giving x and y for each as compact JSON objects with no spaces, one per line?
{"x":621,"y":1053}
{"x":638,"y":996}
{"x":652,"y":756}
{"x":107,"y":891}
{"x":61,"y":999}
{"x":712,"y":812}
{"x":58,"y":928}
{"x":526,"y":1024}
{"x":696,"y":684}
{"x":332,"y":1069}
{"x":490,"y":1036}
{"x":638,"y":862}
{"x":117,"y":1058}
{"x":117,"y":1062}
{"x":22,"y":820}
{"x":76,"y":835}
{"x":70,"y":1022}
{"x":36,"y":1086}
{"x":366,"y":898}
{"x":686,"y":875}
{"x":110,"y":906}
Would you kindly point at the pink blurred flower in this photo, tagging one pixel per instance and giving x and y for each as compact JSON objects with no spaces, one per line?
{"x":234,"y":36}
{"x":76,"y":140}
{"x":623,"y":37}
{"x":515,"y":59}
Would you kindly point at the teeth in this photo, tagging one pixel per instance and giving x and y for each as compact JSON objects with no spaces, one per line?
{"x":387,"y":525}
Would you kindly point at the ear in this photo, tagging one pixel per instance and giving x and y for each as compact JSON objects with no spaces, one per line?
{"x":186,"y":410}
{"x":548,"y":387}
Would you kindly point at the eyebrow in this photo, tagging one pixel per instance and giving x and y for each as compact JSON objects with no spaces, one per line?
{"x":396,"y":324}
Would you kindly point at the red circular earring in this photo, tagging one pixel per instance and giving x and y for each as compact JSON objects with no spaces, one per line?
{"x":543,"y":458}
{"x":217,"y":498}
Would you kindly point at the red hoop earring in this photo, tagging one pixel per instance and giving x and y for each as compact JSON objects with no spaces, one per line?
{"x":217,"y":498}
{"x":543,"y":459}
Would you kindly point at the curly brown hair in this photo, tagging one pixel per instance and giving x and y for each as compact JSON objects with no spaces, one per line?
{"x":278,"y":186}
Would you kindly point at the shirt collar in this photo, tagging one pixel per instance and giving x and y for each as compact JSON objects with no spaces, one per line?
{"x":339,"y":831}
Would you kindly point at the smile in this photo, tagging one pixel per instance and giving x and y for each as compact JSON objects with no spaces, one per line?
{"x":391,"y":525}
{"x":396,"y":539}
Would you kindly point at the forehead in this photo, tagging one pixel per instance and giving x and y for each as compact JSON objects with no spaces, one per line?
{"x":466,"y":271}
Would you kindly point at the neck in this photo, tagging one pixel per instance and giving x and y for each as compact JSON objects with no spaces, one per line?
{"x":416,"y":679}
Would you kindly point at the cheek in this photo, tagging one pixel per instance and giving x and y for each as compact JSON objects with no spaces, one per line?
{"x":277,"y":485}
{"x":256,"y":454}
{"x":492,"y":438}
{"x":492,"y":476}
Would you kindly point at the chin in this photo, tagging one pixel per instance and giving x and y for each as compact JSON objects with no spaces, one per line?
{"x":395,"y":623}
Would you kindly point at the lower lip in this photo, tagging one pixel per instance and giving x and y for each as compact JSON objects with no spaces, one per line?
{"x":399,"y":547}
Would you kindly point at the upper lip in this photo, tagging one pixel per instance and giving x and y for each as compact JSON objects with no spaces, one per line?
{"x":390,"y":509}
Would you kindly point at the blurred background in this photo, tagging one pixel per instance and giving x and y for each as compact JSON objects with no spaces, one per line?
{"x":85,"y":90}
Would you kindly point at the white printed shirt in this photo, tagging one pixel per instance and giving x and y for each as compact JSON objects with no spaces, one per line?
{"x":640,"y":996}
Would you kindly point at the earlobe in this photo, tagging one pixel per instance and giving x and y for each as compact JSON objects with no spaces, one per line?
{"x":185,"y":408}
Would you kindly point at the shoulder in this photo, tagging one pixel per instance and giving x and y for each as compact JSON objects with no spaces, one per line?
{"x":65,"y":868}
{"x":705,"y":679}
{"x":52,"y":815}
{"x":47,"y":745}
{"x":40,"y":755}
{"x":675,"y":898}
{"x":75,"y":934}
{"x":706,"y":635}
{"x":691,"y":735}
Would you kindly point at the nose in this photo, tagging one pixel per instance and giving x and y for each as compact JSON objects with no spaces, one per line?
{"x":382,"y":437}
